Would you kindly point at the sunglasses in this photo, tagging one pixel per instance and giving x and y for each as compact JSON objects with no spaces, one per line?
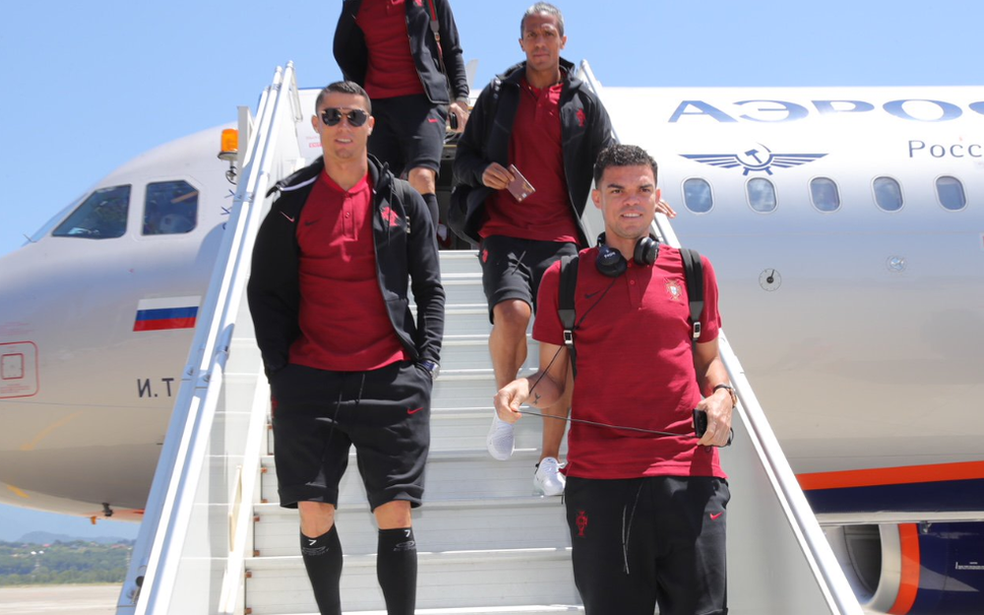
{"x":333,"y":115}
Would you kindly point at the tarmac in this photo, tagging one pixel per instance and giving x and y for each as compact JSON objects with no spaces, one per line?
{"x":59,"y":599}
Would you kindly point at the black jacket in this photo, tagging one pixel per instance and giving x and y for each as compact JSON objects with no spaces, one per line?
{"x":585,"y":130}
{"x":352,"y":54}
{"x":405,"y":253}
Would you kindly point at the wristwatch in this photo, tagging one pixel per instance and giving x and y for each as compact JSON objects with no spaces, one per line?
{"x":432,"y":368}
{"x":731,"y":390}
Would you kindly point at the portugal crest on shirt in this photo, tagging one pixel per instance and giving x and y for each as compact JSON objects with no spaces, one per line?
{"x":390,"y":216}
{"x":674,"y":290}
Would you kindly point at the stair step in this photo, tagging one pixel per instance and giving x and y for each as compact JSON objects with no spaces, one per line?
{"x":279,"y":585}
{"x":535,"y":609}
{"x":466,"y":429}
{"x":451,"y":475}
{"x":495,"y":523}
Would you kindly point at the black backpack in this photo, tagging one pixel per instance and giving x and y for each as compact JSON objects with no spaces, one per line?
{"x":693,"y":273}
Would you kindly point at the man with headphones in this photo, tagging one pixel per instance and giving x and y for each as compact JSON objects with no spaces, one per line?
{"x":645,"y":497}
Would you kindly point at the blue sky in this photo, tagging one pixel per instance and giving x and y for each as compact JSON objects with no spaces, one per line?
{"x":88,"y":86}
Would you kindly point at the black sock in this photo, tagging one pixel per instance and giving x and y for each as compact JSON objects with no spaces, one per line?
{"x":396,"y":569}
{"x":323,"y":560}
{"x":431,"y":200}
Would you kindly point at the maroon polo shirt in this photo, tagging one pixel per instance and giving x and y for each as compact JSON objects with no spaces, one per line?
{"x":343,"y":319}
{"x":391,"y":71}
{"x":535,"y":149}
{"x":634,"y":367}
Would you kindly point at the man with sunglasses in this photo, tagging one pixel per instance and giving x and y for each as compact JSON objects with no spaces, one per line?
{"x":347,"y":362}
{"x":415,"y":77}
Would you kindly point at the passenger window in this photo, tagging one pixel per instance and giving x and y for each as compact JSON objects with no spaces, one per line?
{"x":171,"y":208}
{"x":761,"y":195}
{"x":697,"y":196}
{"x":101,"y":216}
{"x":951,"y":193}
{"x":824,"y":194}
{"x":888,"y":194}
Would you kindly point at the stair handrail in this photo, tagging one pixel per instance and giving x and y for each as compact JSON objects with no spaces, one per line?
{"x":156,"y":554}
{"x":827,"y":571}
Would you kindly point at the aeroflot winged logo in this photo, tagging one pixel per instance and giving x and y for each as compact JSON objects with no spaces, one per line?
{"x":758,"y":159}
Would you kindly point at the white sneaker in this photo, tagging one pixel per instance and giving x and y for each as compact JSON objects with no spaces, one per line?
{"x":501,"y":440}
{"x":548,"y":480}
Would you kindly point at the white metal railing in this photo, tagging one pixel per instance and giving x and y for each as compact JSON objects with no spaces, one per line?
{"x":758,"y":592}
{"x":195,"y":525}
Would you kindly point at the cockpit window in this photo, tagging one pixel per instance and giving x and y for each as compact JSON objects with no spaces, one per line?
{"x":101,"y":216}
{"x":761,"y":195}
{"x":951,"y":193}
{"x":888,"y":194}
{"x":171,"y":208}
{"x":697,"y":195}
{"x":824,"y":194}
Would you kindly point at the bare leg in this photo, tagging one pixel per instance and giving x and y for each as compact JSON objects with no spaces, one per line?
{"x":424,"y":181}
{"x":554,"y":429}
{"x":316,"y":518}
{"x":507,"y":344}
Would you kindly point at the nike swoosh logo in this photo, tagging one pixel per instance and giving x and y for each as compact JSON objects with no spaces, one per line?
{"x":414,"y":411}
{"x":310,"y":222}
{"x":286,"y":216}
{"x":311,"y":542}
{"x":714,"y":517}
{"x":589,"y":295}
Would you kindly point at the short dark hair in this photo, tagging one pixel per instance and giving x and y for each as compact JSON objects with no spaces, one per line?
{"x":343,"y":87}
{"x":619,"y":155}
{"x":542,"y":7}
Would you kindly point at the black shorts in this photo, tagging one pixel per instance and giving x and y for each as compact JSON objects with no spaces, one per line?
{"x":647,"y":541}
{"x":318,"y":415}
{"x":512,"y":268}
{"x":408,"y":133}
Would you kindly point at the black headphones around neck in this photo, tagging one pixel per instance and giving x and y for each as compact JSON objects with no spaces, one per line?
{"x":611,"y":263}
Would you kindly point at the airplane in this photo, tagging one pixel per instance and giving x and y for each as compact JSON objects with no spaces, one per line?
{"x":846,"y":229}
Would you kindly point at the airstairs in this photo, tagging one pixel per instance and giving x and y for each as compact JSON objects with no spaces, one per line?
{"x":214,"y":539}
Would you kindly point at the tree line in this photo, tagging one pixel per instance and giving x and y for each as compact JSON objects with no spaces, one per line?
{"x":77,"y":561}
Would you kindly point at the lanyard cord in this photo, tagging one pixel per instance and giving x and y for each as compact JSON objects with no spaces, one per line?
{"x":583,"y":421}
{"x":596,"y":424}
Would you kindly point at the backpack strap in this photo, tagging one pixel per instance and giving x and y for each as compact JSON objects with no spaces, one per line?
{"x":436,"y":30}
{"x":694,"y":275}
{"x":565,"y":304}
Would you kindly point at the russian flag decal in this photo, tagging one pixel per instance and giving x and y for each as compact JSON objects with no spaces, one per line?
{"x":166,"y":313}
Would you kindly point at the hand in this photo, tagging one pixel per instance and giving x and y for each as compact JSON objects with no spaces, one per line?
{"x":662,"y":207}
{"x":509,"y":398}
{"x":461,"y":114}
{"x":497,"y":176}
{"x":718,"y":408}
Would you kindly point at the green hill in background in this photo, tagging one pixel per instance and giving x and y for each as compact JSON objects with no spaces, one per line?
{"x":60,"y":562}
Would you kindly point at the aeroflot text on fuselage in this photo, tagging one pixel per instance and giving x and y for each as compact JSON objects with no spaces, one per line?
{"x":776,"y":111}
{"x":938,"y":150}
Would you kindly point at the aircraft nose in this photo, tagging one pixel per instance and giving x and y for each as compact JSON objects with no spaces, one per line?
{"x":18,"y":327}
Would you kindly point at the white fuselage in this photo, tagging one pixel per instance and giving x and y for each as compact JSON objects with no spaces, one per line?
{"x":860,"y":329}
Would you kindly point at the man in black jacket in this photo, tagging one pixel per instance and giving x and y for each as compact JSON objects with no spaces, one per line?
{"x":540,"y":121}
{"x":347,"y":363}
{"x":408,"y":83}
